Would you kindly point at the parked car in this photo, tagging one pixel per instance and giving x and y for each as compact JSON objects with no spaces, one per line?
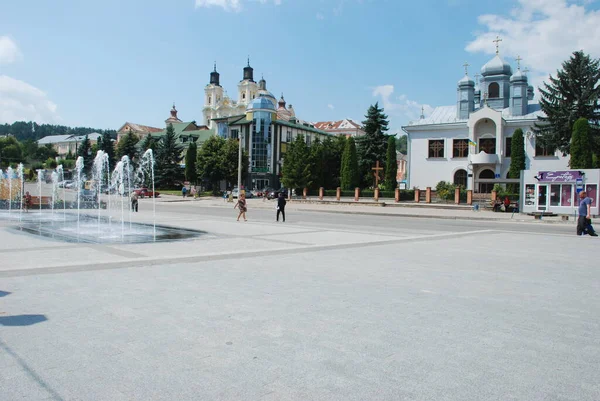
{"x":145,"y":192}
{"x":63,"y":184}
{"x":275,"y":193}
{"x":235,"y":192}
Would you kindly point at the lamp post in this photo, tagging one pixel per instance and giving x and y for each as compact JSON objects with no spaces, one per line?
{"x":239,"y":180}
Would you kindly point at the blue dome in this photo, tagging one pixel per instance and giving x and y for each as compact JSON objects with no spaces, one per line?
{"x":261,"y":103}
{"x":466,"y":81}
{"x":496,"y":66}
{"x":518,"y":77}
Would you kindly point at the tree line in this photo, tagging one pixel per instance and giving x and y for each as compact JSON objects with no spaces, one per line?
{"x":30,"y":130}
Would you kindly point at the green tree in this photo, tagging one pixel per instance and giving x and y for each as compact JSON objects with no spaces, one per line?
{"x":209,"y":162}
{"x":148,"y":143}
{"x":318,"y":164}
{"x":230,"y":160}
{"x":106,"y":144}
{"x":402,"y":144}
{"x":574,"y":93}
{"x":85,"y":150}
{"x":372,"y":146}
{"x":581,"y":153}
{"x":391,"y":165}
{"x":10,"y":151}
{"x":296,"y":172}
{"x":167,"y":171}
{"x":333,"y":148}
{"x":517,"y":158}
{"x":126,"y":146}
{"x":190,"y":163}
{"x":349,"y":172}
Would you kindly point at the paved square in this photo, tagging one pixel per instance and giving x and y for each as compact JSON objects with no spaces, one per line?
{"x":325,"y":307}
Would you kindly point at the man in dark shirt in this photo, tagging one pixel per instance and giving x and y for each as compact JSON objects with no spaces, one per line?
{"x":281,"y":206}
{"x":584,"y":221}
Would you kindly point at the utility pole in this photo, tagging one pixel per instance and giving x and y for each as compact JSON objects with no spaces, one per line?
{"x":239,"y":181}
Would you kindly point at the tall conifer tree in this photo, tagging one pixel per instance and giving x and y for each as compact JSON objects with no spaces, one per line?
{"x":581,"y":153}
{"x":391,"y":165}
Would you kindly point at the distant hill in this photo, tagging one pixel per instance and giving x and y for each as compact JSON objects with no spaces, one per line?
{"x":23,"y":130}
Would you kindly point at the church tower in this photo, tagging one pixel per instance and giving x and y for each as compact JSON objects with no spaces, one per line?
{"x":213,"y":94}
{"x":495,"y":82}
{"x":466,"y":94}
{"x":247,"y":88}
{"x":518,"y":92}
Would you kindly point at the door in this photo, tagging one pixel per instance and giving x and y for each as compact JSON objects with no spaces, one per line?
{"x":542,"y":204}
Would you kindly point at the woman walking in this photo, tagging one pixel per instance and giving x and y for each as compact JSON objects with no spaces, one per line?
{"x":241,"y":204}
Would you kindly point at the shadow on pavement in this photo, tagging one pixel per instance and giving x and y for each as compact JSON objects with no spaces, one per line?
{"x":22,"y":320}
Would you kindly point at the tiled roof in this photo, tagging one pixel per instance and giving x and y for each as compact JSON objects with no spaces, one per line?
{"x":335,"y":125}
{"x":67,"y":138}
{"x":141,"y":128}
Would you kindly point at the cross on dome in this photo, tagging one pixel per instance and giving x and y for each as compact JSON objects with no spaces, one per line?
{"x":518,"y":62}
{"x":466,"y":65}
{"x":497,"y":41}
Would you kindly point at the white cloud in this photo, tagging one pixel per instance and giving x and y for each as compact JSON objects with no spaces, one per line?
{"x":543,"y":32}
{"x":400,"y":107}
{"x":231,"y":5}
{"x":331,"y":107}
{"x":9,"y":51}
{"x":20,"y":101}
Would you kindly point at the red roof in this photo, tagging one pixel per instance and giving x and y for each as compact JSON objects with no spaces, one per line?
{"x":337,"y":125}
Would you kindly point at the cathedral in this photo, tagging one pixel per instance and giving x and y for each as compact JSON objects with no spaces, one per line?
{"x":469,"y":143}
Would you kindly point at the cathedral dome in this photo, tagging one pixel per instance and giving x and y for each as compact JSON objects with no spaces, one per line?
{"x":518,"y":77}
{"x":261,"y":103}
{"x":496,"y":66}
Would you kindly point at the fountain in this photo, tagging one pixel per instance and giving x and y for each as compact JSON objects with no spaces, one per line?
{"x":39,"y":180}
{"x":9,"y":175}
{"x":98,"y":228}
{"x":21,"y":177}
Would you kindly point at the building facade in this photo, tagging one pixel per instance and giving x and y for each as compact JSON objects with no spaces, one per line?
{"x":469,"y":143}
{"x":65,"y":144}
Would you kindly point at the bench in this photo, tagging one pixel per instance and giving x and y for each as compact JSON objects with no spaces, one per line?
{"x":36,"y":201}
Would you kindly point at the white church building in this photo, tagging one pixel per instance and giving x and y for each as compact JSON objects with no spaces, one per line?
{"x":469,"y":143}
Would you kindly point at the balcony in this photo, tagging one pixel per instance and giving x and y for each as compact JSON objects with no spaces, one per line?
{"x":484,"y":158}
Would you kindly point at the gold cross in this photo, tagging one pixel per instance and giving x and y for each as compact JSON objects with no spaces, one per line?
{"x":376,"y":173}
{"x":497,"y":40}
{"x":518,"y":62}
{"x":466,"y":65}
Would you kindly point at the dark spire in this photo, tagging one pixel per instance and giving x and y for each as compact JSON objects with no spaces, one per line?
{"x":262,"y":84}
{"x":249,"y":72}
{"x":214,"y":76}
{"x":282,"y":102}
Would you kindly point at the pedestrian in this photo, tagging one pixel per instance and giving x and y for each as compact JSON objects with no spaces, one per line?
{"x":134,"y":201}
{"x":241,"y":205}
{"x":184,"y":191}
{"x":584,"y":221}
{"x":281,"y":206}
{"x":194,"y":193}
{"x":506,"y":203}
{"x":26,"y":201}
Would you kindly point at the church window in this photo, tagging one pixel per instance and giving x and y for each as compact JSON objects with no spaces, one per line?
{"x":436,"y":148}
{"x":508,"y":147}
{"x":460,"y":178}
{"x":494,"y":90}
{"x":488,"y":145}
{"x":542,"y":150}
{"x":235,"y":134}
{"x":243,"y":96}
{"x":209,"y":99}
{"x":460,"y":148}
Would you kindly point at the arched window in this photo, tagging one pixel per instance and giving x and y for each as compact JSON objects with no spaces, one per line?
{"x":460,"y":178}
{"x":494,"y":90}
{"x":487,"y":174}
{"x":486,"y":187}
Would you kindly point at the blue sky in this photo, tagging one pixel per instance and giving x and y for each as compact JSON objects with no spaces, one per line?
{"x":103,"y":63}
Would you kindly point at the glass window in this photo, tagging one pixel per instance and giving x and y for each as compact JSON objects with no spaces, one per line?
{"x":289,"y":136}
{"x":436,"y":148}
{"x":592,"y":193}
{"x":507,"y":147}
{"x":488,"y":145}
{"x":541,"y":150}
{"x":566,"y":195}
{"x":460,"y":148}
{"x":494,"y":90}
{"x":307,"y":140}
{"x":235,"y":134}
{"x":555,"y":195}
{"x":529,"y":195}
{"x":460,"y":178}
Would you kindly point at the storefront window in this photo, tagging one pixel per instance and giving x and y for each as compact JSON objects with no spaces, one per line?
{"x":592,"y":193}
{"x":529,"y":195}
{"x":555,"y":195}
{"x":566,"y":195}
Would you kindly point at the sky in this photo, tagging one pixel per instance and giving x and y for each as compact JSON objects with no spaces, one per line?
{"x":102,"y":63}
